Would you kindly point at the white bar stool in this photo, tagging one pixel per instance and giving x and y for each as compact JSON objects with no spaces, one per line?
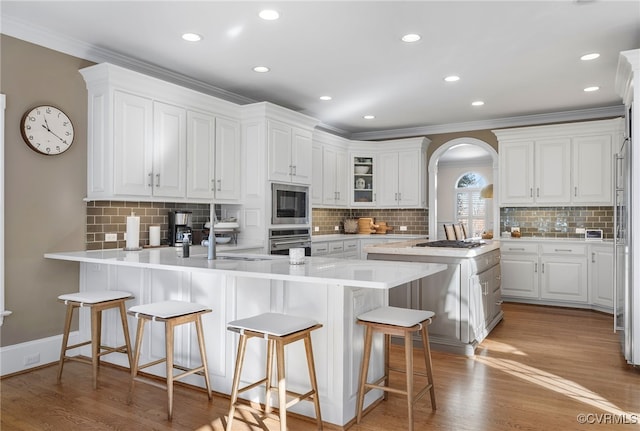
{"x":172,"y":313}
{"x":278,"y":330}
{"x":400,"y":322}
{"x":97,"y":301}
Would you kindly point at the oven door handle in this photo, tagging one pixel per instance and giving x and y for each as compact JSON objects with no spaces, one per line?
{"x":297,"y":241}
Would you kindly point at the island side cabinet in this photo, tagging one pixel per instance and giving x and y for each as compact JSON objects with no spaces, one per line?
{"x":466,"y":298}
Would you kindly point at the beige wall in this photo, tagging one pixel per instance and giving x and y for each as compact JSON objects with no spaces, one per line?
{"x":44,"y":210}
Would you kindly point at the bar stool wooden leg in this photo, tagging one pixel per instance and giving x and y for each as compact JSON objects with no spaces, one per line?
{"x":125,"y":329}
{"x":168,"y":330}
{"x":408,"y":355}
{"x":282,"y":389}
{"x":364,"y":370}
{"x":203,"y":354}
{"x":65,"y":339}
{"x":136,"y":359}
{"x":428,"y":365}
{"x":312,"y":377}
{"x":242,"y":347}
{"x":95,"y":343}
{"x":269,"y":371}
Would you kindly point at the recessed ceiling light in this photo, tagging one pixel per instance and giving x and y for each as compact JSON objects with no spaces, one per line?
{"x":369,"y":117}
{"x":412,"y":37}
{"x":192,"y":37}
{"x":452,"y":78}
{"x":261,"y":69}
{"x":269,"y":14}
{"x":325,"y":97}
{"x":477,"y":103}
{"x":591,"y":56}
{"x":590,"y":89}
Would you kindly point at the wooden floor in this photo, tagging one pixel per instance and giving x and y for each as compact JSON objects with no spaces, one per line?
{"x":539,"y":370}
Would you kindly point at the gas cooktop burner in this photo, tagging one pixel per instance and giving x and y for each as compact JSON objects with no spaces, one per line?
{"x":450,"y":243}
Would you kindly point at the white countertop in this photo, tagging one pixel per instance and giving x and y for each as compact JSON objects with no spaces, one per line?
{"x":564,"y":240}
{"x":346,"y":236}
{"x":409,"y":248}
{"x":355,"y":273}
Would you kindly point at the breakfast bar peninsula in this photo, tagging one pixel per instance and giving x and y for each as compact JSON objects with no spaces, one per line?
{"x":329,"y":290}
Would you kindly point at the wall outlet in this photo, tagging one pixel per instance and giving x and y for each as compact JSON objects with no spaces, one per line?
{"x":336,"y":228}
{"x":110,"y":237}
{"x":403,"y":228}
{"x":580,"y":230}
{"x":316,"y":229}
{"x":32,"y":359}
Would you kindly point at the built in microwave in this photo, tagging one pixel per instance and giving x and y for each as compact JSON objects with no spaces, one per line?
{"x":289,"y":204}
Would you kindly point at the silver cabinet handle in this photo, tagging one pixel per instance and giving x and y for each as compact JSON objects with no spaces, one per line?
{"x":157,"y":180}
{"x":290,"y":169}
{"x":575,"y":193}
{"x":538,"y":192}
{"x":150,"y":183}
{"x":543,"y":268}
{"x":294,"y":170}
{"x":535,"y":269}
{"x":219,"y":185}
{"x":531,"y":192}
{"x":568,"y":250}
{"x":399,"y":196}
{"x":593,"y":257}
{"x":516,"y":249}
{"x":213,"y":185}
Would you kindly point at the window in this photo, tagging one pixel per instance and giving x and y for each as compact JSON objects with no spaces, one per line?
{"x":470,"y":207}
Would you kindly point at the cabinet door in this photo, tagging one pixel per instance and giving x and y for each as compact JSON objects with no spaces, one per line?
{"x":592,"y":159}
{"x":228,"y":168}
{"x":387,"y":180}
{"x":342,"y":173}
{"x":516,"y":172}
{"x":601,"y":276}
{"x":200,"y":155}
{"x":317,"y":174}
{"x":169,"y":150}
{"x":564,"y":278}
{"x":301,"y":154}
{"x":133,"y":145}
{"x":409,"y":187}
{"x":553,"y":171}
{"x":520,"y":275}
{"x":329,"y":175}
{"x":280,"y":165}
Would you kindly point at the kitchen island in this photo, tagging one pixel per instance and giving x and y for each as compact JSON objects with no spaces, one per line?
{"x":332,"y":291}
{"x":466,"y":297}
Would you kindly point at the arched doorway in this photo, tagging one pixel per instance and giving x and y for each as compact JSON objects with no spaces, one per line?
{"x":433,"y":182}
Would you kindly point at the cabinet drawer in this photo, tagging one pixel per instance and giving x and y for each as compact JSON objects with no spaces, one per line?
{"x":351,"y":245}
{"x":319,"y":248}
{"x":336,"y":247}
{"x":519,"y":248}
{"x":564,"y":249}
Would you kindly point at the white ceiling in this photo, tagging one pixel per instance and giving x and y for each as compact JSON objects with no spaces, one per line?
{"x":522,"y":58}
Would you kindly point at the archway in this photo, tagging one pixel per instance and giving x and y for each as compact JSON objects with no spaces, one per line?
{"x":433,"y":182}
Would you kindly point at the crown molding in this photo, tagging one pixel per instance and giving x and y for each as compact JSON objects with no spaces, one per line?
{"x":526,"y":120}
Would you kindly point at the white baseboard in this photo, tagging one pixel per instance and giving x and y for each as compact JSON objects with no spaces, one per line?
{"x":23,"y":356}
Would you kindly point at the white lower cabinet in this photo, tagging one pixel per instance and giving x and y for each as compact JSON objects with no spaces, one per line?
{"x":558,"y":273}
{"x":601,"y":276}
{"x":347,"y":249}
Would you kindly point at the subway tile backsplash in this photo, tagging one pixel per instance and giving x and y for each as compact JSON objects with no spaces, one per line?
{"x":111,"y":217}
{"x":416,"y":220}
{"x":557,"y":222}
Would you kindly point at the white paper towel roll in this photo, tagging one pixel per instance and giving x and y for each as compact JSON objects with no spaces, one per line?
{"x":133,"y":232}
{"x":154,"y":236}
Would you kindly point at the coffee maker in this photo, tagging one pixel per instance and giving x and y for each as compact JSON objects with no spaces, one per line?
{"x":179,"y":223}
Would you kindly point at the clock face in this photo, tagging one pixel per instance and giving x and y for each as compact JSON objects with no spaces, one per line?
{"x":47,"y":130}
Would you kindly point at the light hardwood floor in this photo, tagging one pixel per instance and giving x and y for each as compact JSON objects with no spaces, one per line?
{"x":539,"y":370}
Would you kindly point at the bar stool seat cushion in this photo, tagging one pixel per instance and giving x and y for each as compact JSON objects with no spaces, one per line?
{"x":273,"y":324}
{"x":94,"y":297}
{"x":167,"y":309}
{"x":396,"y":316}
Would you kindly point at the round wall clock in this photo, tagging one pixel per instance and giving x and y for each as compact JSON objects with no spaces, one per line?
{"x":47,"y":130}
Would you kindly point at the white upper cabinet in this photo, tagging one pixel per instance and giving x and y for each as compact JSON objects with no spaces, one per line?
{"x":150,"y":140}
{"x":334,"y":176}
{"x":558,"y":165}
{"x":289,"y":153}
{"x":317,"y":177}
{"x":401,"y":180}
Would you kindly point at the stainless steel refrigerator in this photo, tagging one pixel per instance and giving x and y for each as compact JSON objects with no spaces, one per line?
{"x":627,"y":313}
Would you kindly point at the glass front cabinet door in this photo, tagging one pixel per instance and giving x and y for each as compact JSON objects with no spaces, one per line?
{"x":363,"y":180}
